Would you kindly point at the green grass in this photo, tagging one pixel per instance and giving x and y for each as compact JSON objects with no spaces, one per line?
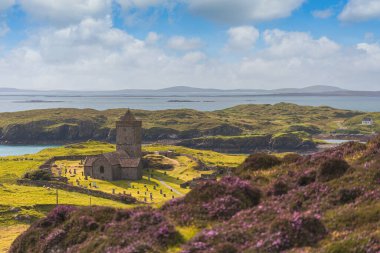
{"x":12,"y":168}
{"x":251,"y":119}
{"x":8,"y":234}
{"x":210,"y":158}
{"x":139,"y":189}
{"x":37,"y":201}
{"x":187,"y":233}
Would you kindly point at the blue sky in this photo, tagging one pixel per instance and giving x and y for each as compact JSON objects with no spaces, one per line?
{"x":114,"y":44}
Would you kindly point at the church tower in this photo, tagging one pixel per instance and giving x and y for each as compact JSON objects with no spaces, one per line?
{"x":129,"y":134}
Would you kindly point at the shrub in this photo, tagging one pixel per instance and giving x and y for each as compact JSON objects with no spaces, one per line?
{"x":99,"y":229}
{"x":348,"y":195}
{"x":259,"y":161}
{"x":60,"y":213}
{"x":376,"y":177}
{"x":226,"y":248}
{"x":214,"y":200}
{"x":279,"y":188}
{"x":38,"y":175}
{"x":291,"y":158}
{"x":307,"y":178}
{"x":299,"y":231}
{"x":332,"y":168}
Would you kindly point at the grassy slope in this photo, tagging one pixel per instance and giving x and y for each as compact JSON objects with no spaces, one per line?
{"x":36,"y":201}
{"x":252,"y":119}
{"x":350,"y":226}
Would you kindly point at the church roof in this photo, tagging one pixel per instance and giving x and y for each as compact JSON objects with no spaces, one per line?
{"x":114,"y":157}
{"x":128,"y":116}
{"x":89,"y":161}
{"x":119,"y":157}
{"x":129,"y":162}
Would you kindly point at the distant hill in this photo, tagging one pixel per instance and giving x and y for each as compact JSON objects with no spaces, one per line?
{"x":310,"y":89}
{"x":5,"y":89}
{"x":322,"y":90}
{"x":187,"y":89}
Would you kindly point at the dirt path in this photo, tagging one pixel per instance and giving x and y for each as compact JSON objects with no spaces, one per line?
{"x":169,"y":187}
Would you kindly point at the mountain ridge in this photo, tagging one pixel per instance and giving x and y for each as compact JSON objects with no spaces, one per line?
{"x":322,"y":90}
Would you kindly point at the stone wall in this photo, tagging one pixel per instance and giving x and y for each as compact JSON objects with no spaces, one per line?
{"x":66,"y":187}
{"x":48,"y":163}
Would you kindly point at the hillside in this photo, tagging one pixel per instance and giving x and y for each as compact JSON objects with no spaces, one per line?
{"x":68,"y":125}
{"x":22,"y":204}
{"x":325,"y":202}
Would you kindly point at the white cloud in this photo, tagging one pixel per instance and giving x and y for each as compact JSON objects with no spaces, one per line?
{"x":372,"y":49}
{"x":323,"y":14}
{"x":194,"y":57}
{"x":94,"y":55}
{"x":242,"y":37}
{"x":68,"y":11}
{"x":4,"y":29}
{"x":152,"y":38}
{"x":361,"y":10}
{"x":298,"y":44}
{"x":5,"y":4}
{"x":244,"y":10}
{"x":143,"y":4}
{"x":184,"y":44}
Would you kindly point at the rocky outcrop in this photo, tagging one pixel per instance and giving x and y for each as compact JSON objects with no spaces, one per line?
{"x":250,"y":144}
{"x":49,"y":132}
{"x":158,"y":133}
{"x":230,"y":145}
{"x":285,"y":141}
{"x":224,"y":130}
{"x":45,"y":131}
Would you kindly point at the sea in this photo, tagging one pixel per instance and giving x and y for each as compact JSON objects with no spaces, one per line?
{"x":15,"y":150}
{"x":12,"y":102}
{"x":208,"y":101}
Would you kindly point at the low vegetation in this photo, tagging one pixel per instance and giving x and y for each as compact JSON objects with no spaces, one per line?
{"x":62,"y":125}
{"x":21,"y":205}
{"x":322,"y":202}
{"x":98,"y":229}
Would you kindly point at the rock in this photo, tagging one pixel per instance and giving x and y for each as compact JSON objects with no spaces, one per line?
{"x":224,"y":129}
{"x":23,"y":218}
{"x":158,"y":133}
{"x":15,"y":209}
{"x":286,"y":141}
{"x":238,"y":144}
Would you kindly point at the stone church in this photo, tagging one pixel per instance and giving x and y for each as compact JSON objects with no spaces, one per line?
{"x":125,"y":163}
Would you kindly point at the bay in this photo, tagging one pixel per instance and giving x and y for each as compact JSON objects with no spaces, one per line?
{"x":161,"y":101}
{"x":15,"y":150}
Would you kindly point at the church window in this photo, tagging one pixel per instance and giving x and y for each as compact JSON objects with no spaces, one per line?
{"x":101,"y":169}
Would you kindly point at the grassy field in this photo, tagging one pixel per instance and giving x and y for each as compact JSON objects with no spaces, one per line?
{"x":210,"y":158}
{"x":31,"y":203}
{"x":8,"y":235}
{"x":140,"y":189}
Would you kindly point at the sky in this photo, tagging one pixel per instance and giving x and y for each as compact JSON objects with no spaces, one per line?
{"x":144,"y":44}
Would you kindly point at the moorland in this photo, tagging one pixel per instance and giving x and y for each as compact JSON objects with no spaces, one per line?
{"x":323,"y":202}
{"x":238,"y":129}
